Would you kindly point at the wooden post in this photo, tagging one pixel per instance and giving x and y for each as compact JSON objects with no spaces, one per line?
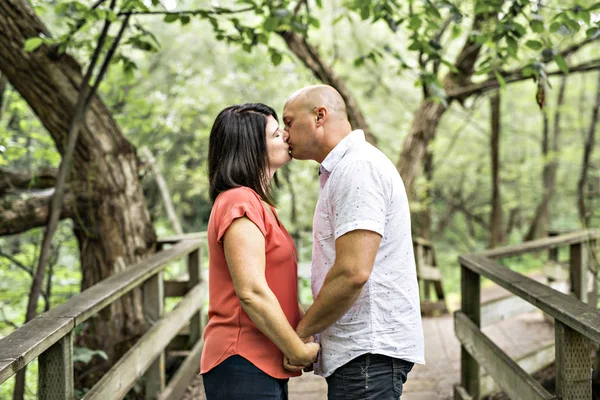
{"x":573,"y":364}
{"x":195,"y":273}
{"x":592,"y":274}
{"x":471,"y":306}
{"x":154,"y":377}
{"x":429,"y":261}
{"x":578,"y":266}
{"x":55,"y":377}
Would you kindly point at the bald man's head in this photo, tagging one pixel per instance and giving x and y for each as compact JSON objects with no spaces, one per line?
{"x":315,"y":120}
{"x":311,"y":97}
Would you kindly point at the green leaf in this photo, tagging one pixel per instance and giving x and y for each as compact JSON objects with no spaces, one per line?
{"x":271,"y":24}
{"x":537,"y":26}
{"x":534,"y":44}
{"x":320,"y":3}
{"x":415,"y":23}
{"x":555,"y":26}
{"x":592,"y":32}
{"x":500,"y":80}
{"x":185,"y":19}
{"x":32,"y":43}
{"x":573,"y":25}
{"x":171,"y":18}
{"x":365,"y":12}
{"x":585,"y":16}
{"x":513,"y":46}
{"x":562,"y":64}
{"x":594,"y":7}
{"x":276,"y":58}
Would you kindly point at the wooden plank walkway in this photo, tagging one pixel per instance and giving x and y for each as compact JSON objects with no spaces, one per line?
{"x":516,"y":336}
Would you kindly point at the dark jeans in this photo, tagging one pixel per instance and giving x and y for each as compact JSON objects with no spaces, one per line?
{"x":238,"y":379}
{"x":369,"y":377}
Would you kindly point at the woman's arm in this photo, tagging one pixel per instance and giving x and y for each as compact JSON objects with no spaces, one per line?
{"x":244,"y":247}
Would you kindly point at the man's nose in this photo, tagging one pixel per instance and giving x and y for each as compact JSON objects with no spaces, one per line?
{"x":286,"y":136}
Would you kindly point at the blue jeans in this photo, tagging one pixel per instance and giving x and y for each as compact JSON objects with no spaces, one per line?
{"x":369,"y":377}
{"x":238,"y":379}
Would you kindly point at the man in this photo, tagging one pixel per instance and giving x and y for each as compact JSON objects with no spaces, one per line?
{"x":366,"y":311}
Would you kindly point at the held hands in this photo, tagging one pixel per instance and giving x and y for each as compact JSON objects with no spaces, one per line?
{"x":304,"y":358}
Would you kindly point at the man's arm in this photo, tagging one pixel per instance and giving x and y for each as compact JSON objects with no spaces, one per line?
{"x":355,"y":255}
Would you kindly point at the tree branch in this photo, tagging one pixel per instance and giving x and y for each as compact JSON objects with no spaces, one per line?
{"x":20,"y":215}
{"x":515,"y":76}
{"x":216,"y":11}
{"x":17,"y":263}
{"x":11,"y":180}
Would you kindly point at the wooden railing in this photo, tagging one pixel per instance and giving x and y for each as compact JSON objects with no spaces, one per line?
{"x":49,"y":337}
{"x":577,"y":322}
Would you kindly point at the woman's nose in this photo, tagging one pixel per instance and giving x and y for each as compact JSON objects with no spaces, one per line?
{"x":286,"y":135}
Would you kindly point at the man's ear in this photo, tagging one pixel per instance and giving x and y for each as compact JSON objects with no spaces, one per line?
{"x":321,"y":116}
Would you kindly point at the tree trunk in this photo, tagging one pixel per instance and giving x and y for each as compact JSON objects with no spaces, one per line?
{"x":428,"y":115}
{"x":497,"y":214}
{"x":3,"y":85}
{"x":587,"y":155}
{"x":312,"y":60}
{"x":114,"y":228}
{"x":540,"y":219}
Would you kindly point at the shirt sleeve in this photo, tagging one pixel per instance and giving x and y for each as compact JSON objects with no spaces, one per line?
{"x":237,"y":203}
{"x":359,"y":199}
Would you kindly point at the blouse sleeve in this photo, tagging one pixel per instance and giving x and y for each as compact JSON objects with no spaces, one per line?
{"x":237,"y":203}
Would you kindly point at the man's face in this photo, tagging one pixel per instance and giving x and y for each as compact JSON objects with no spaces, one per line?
{"x":300,"y":129}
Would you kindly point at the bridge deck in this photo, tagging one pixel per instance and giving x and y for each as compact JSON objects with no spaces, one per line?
{"x":516,"y":336}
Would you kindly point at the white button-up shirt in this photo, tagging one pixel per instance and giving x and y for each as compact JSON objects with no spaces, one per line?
{"x":361,"y":189}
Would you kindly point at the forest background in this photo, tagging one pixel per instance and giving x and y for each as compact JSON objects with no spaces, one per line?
{"x":470,"y":99}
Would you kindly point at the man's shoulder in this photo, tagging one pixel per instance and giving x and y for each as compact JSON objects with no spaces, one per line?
{"x":367,"y":155}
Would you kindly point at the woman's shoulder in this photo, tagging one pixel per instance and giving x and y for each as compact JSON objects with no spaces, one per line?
{"x":241,"y":194}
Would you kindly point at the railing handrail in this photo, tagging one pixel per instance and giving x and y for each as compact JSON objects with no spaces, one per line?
{"x":581,"y":317}
{"x":577,"y":323}
{"x":29,"y":341}
{"x":540,"y":244}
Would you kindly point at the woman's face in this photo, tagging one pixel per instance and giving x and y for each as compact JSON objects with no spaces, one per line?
{"x":277,"y":148}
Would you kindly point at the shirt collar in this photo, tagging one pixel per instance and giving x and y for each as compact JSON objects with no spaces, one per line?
{"x":338,"y":152}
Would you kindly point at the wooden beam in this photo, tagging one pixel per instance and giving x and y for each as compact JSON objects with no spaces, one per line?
{"x":542,"y":244}
{"x":176,"y":288}
{"x":471,"y":307}
{"x":32,"y":339}
{"x":94,"y":299}
{"x":503,"y":308}
{"x":122,"y":376}
{"x":178,"y":238}
{"x":429,"y":273}
{"x":182,"y":378}
{"x":23,"y":345}
{"x":582,"y":317}
{"x":194,"y":265}
{"x":531,"y":363}
{"x":153,"y":293}
{"x":513,"y":380}
{"x":578,"y":268}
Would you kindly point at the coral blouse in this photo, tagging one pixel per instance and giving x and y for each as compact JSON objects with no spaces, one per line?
{"x":230,"y":331}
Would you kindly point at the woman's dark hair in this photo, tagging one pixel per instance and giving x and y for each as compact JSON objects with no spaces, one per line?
{"x":237,"y":150}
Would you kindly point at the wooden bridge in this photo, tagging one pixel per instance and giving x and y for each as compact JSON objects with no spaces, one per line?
{"x":494,"y":342}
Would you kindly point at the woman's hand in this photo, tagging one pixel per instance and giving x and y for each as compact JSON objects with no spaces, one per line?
{"x":306,"y":355}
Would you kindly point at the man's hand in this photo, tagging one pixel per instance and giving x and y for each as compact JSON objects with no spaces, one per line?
{"x":311,"y":345}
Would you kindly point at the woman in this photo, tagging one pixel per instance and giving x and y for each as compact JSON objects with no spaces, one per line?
{"x":253,"y":277}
